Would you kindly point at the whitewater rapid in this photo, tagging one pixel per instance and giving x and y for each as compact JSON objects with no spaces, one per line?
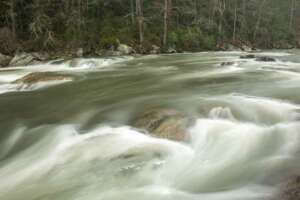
{"x":76,"y":142}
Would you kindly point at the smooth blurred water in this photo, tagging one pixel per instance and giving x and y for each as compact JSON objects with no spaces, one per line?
{"x":73,"y":140}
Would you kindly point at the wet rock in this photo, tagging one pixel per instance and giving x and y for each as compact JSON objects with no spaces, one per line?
{"x":163,"y":123}
{"x":171,"y":50}
{"x":291,"y":190}
{"x":125,"y":49}
{"x":249,"y":56}
{"x":24,"y":59}
{"x":223,"y":64}
{"x":155,"y":49}
{"x":79,"y":52}
{"x":231,"y":47}
{"x":265,"y":59}
{"x":246,"y":48}
{"x":36,"y":77}
{"x":4,"y":60}
{"x":83,"y":63}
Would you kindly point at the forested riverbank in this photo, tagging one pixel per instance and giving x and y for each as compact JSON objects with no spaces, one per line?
{"x":98,"y":27}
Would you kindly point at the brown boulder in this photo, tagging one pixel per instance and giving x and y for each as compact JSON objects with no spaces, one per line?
{"x":291,"y":190}
{"x":36,"y":77}
{"x":163,"y":123}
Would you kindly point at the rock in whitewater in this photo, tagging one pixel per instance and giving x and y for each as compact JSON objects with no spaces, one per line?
{"x":223,"y":64}
{"x":36,"y":77}
{"x":291,"y":190}
{"x":23,"y":59}
{"x":265,"y":59}
{"x":4,"y":60}
{"x":163,"y":123}
{"x":249,"y":56}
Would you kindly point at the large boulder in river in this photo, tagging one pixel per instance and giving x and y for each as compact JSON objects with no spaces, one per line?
{"x":163,"y":123}
{"x":265,"y":59}
{"x":4,"y":60}
{"x":36,"y":77}
{"x":24,"y":59}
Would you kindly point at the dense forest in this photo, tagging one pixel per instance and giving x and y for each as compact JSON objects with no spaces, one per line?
{"x":184,"y":25}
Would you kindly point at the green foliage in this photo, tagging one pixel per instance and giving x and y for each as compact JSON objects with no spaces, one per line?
{"x":194,"y":25}
{"x":191,"y":38}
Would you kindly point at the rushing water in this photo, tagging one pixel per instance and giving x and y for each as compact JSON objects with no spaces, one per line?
{"x":73,"y":140}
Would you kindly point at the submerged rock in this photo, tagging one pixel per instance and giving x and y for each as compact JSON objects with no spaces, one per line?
{"x":265,"y":59}
{"x":36,"y":77}
{"x":163,"y":123}
{"x":4,"y":60}
{"x":227,"y":63}
{"x":249,"y":56}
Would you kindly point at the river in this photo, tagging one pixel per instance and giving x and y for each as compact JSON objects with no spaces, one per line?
{"x":72,"y":140}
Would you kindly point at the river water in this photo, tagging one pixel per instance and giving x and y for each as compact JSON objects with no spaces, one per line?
{"x":72,"y":140}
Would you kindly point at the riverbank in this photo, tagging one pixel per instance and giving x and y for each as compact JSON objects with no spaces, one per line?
{"x":31,"y":58}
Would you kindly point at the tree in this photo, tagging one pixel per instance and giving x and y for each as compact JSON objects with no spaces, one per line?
{"x":167,"y":15}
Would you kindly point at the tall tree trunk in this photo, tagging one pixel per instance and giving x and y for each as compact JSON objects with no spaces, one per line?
{"x":167,"y":14}
{"x":222,"y":8}
{"x":132,"y":11}
{"x":257,"y":26}
{"x":140,"y":18}
{"x":292,"y":11}
{"x":13,"y":18}
{"x":235,"y":21}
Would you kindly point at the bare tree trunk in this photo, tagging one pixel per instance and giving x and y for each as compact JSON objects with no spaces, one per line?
{"x":167,"y":14}
{"x":292,"y":11}
{"x":235,"y":21}
{"x":13,"y":18}
{"x":222,"y":8}
{"x":258,"y":19}
{"x":132,"y":11}
{"x":140,"y":17}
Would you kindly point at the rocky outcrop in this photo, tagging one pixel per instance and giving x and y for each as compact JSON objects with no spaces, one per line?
{"x":155,"y":49}
{"x":163,"y":123}
{"x":171,"y":50}
{"x":231,"y":47}
{"x":125,"y":49}
{"x":246,"y":48}
{"x":4,"y":60}
{"x":265,"y":59}
{"x":24,"y":59}
{"x":36,"y":77}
